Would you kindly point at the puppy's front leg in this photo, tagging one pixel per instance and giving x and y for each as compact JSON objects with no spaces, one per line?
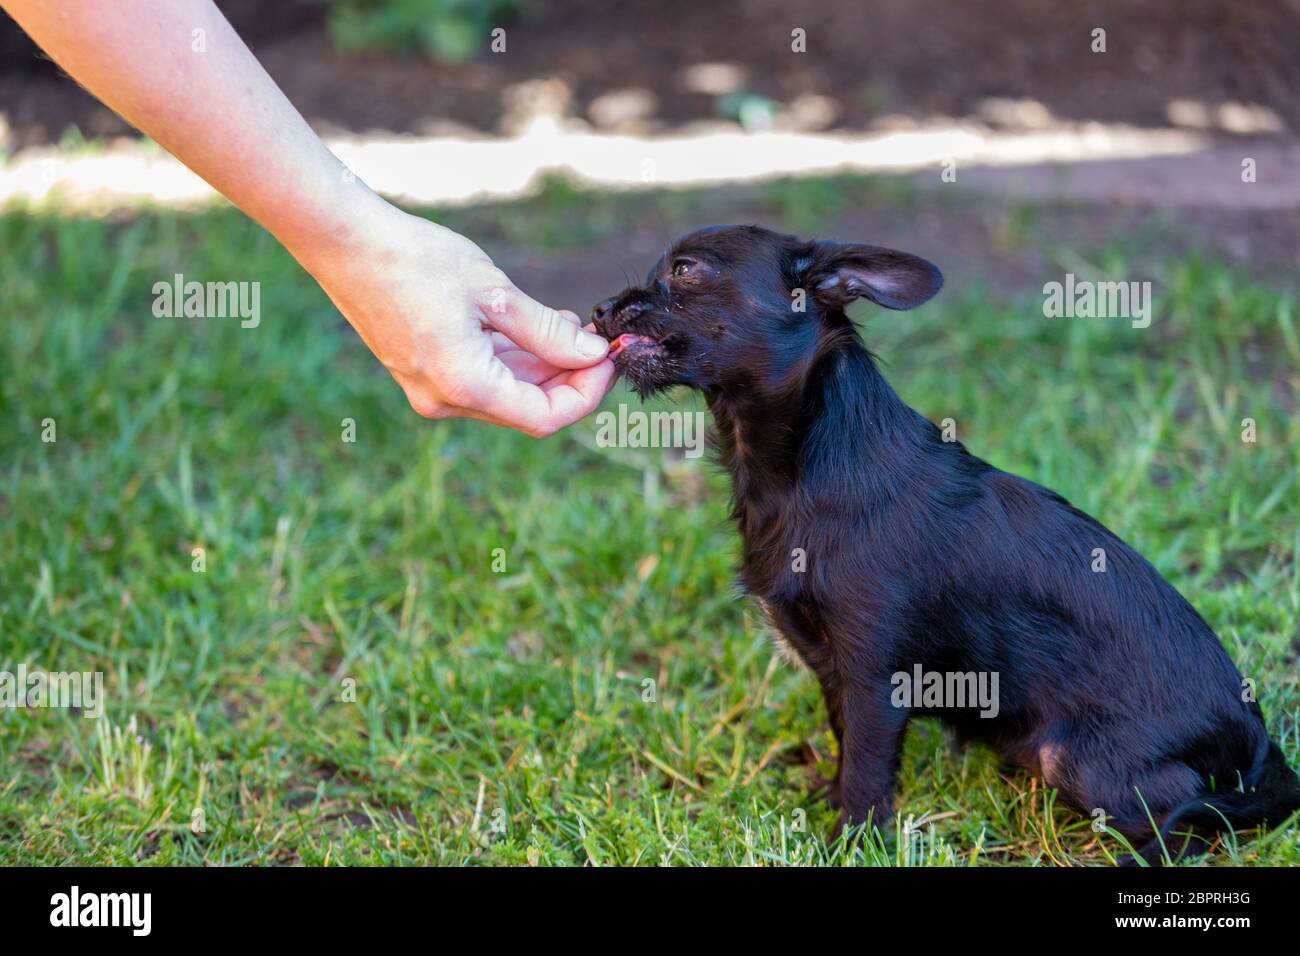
{"x":831,"y":695}
{"x":872,"y":743}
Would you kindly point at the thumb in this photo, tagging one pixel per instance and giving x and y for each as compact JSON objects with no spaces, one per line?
{"x":555,"y":337}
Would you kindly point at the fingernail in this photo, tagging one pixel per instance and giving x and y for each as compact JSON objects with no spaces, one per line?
{"x":592,"y":346}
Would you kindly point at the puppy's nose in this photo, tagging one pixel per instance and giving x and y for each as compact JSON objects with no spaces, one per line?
{"x":602,"y":309}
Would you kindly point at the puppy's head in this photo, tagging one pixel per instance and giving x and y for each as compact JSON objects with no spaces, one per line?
{"x":729,"y":305}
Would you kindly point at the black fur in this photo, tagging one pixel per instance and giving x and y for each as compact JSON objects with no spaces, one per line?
{"x":1111,"y":687}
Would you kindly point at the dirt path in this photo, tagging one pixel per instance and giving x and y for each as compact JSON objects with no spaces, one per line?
{"x":1242,"y":173}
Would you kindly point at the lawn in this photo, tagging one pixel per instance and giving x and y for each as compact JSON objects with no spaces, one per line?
{"x":355,"y":678}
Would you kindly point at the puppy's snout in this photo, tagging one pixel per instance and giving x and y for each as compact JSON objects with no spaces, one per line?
{"x":602,"y":309}
{"x":615,"y":311}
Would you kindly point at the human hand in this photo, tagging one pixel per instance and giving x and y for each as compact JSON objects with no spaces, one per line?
{"x":460,"y":339}
{"x":453,"y":330}
{"x":457,"y":335}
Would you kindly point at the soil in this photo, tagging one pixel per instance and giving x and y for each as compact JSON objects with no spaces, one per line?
{"x":865,"y":60}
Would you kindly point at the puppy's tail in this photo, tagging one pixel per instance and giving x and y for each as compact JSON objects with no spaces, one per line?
{"x":1271,"y":795}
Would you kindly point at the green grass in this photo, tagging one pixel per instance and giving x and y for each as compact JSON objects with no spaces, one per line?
{"x":500,"y":717}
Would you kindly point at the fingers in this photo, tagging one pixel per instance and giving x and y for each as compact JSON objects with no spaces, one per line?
{"x":527,"y":367}
{"x":541,"y":410}
{"x":531,"y":393}
{"x":501,"y":344}
{"x":555,"y":337}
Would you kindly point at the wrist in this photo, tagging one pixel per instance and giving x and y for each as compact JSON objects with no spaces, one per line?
{"x":344,"y":220}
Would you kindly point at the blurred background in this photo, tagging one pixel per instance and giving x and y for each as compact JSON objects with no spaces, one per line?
{"x":1008,"y":142}
{"x":1016,"y":95}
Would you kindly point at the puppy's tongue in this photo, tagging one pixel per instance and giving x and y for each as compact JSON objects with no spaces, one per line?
{"x":626,"y":340}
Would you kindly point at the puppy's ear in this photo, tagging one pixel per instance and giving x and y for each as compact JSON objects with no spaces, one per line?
{"x":838,"y":273}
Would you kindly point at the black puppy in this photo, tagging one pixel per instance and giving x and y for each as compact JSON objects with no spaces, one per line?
{"x":918,"y":554}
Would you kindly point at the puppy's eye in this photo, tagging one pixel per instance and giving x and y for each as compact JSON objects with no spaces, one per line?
{"x":681,"y":267}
